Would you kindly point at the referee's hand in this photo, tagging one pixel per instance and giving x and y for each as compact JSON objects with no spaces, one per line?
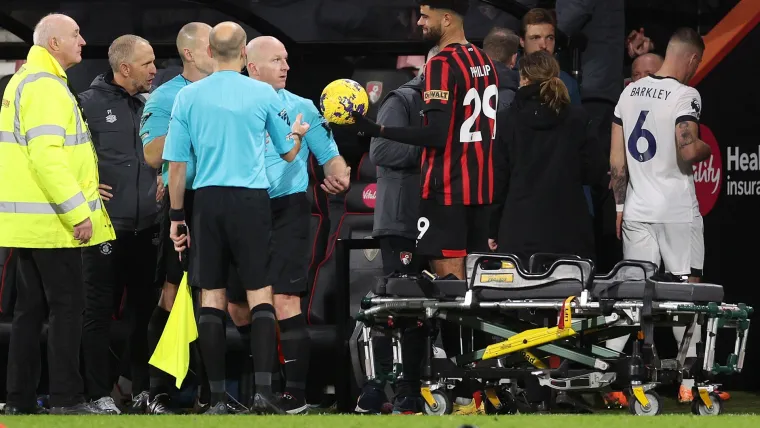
{"x":180,"y":241}
{"x":335,"y":184}
{"x":299,"y":127}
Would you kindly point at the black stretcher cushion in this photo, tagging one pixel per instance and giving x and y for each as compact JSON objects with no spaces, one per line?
{"x":663,"y":291}
{"x":560,"y":289}
{"x":617,"y":290}
{"x":405,"y":287}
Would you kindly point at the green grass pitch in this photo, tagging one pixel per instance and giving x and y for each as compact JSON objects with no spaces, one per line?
{"x":742,"y":411}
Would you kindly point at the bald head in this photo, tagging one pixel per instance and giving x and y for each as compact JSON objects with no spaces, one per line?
{"x":192,"y":36}
{"x":59,"y":35}
{"x":262,"y":47}
{"x":227,"y":41}
{"x":644,"y":65}
{"x":51,"y":26}
{"x":268,"y":61}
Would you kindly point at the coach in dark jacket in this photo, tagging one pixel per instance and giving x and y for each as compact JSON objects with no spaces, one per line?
{"x":113,"y":106}
{"x":113,"y":115}
{"x":398,"y":180}
{"x":396,"y":215}
{"x":544,"y":156}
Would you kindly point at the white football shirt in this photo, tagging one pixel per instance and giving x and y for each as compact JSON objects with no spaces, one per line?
{"x":660,"y":185}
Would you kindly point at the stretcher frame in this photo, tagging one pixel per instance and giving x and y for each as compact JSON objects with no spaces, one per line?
{"x":588,"y":320}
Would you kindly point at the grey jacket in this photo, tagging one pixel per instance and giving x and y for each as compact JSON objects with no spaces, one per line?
{"x":509,"y":82}
{"x":602,"y":24}
{"x":398,"y":165}
{"x":114,"y":120}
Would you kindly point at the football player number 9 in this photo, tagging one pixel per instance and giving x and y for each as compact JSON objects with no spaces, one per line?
{"x":466,"y":134}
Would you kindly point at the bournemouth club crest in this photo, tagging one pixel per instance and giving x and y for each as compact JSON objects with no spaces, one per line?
{"x":374,"y":91}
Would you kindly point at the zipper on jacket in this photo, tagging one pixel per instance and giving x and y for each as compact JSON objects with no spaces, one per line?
{"x":139,"y":164}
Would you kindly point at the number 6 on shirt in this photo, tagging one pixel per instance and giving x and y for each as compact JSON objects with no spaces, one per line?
{"x":640,"y":132}
{"x":465,"y":132}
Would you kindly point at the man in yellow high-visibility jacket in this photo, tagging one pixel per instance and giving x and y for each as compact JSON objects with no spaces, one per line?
{"x":49,"y":209}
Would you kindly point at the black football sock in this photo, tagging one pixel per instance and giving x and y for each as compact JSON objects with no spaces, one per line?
{"x":263,"y":346}
{"x":159,"y":381}
{"x":412,"y":353}
{"x":277,"y":368}
{"x":212,"y":340}
{"x":246,"y":372}
{"x":295,"y":352}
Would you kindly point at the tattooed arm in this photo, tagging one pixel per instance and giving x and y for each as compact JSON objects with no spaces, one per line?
{"x":690,"y":148}
{"x":618,"y":167}
{"x":618,"y":175}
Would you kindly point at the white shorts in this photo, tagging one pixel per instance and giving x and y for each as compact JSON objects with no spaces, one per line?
{"x":697,"y":246}
{"x":669,"y":243}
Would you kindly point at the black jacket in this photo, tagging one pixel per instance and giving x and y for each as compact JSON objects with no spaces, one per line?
{"x":398,"y":165}
{"x":114,"y":120}
{"x":509,"y":81}
{"x":541,"y":162}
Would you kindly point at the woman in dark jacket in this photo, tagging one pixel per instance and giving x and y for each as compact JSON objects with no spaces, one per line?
{"x":543,"y":157}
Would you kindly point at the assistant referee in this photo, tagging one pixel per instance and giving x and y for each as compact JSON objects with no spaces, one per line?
{"x":221,"y":121}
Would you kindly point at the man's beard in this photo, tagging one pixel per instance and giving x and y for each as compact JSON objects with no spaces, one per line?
{"x":433,"y":36}
{"x":141,"y":86}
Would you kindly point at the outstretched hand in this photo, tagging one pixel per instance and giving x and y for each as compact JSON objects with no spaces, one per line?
{"x":363,"y":126}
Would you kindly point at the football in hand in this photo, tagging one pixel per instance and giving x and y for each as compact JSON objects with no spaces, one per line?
{"x":341,"y":98}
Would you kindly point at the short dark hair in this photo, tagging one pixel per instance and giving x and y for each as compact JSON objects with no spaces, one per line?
{"x":537,"y":16}
{"x":501,"y":44}
{"x":689,"y":37}
{"x":460,"y":7}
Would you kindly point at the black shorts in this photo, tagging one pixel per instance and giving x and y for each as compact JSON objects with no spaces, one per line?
{"x":399,"y":255}
{"x":168,"y":267}
{"x":231,"y":226}
{"x":289,"y":248}
{"x":451,"y":231}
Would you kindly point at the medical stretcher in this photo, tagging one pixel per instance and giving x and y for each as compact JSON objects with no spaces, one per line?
{"x":563,"y":312}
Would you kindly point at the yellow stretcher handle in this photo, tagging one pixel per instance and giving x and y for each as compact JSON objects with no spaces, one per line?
{"x":535,"y":337}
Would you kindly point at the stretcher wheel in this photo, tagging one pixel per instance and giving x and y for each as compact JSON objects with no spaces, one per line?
{"x":698,"y":407}
{"x":654,"y":408}
{"x":442,"y":404}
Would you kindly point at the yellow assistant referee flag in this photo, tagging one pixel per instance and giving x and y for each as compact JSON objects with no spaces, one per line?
{"x":172,"y":354}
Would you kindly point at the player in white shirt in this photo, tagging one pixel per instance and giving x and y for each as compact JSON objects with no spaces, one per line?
{"x":654,"y":145}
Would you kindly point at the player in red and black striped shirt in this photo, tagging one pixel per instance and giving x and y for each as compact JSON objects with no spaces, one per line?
{"x":461,"y":98}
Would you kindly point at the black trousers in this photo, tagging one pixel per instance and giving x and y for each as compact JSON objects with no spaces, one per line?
{"x":399,"y":256}
{"x":128,"y":263}
{"x":50,"y":285}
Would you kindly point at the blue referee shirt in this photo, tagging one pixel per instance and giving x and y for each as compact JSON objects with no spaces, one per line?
{"x":287,"y":178}
{"x":224,"y":119}
{"x":155,"y":121}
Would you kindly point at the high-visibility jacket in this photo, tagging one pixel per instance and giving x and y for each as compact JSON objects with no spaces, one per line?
{"x":48,"y":166}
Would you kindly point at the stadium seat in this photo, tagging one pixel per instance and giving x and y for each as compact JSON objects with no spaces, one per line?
{"x":319,"y":228}
{"x":355,"y":223}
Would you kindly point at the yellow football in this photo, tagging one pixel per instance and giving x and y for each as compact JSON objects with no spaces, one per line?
{"x":341,"y":98}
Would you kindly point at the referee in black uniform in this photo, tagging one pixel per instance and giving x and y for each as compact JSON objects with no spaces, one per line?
{"x":221,"y":121}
